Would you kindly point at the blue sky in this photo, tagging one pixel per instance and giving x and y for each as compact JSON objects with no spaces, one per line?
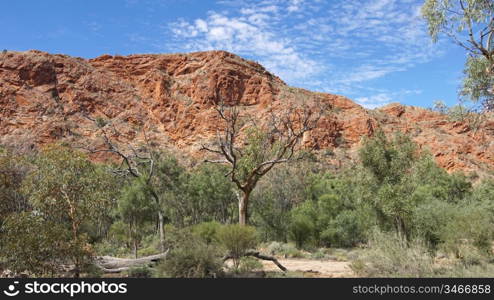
{"x":372,"y":51}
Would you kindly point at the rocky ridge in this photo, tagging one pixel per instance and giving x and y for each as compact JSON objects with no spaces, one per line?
{"x":166,"y":98}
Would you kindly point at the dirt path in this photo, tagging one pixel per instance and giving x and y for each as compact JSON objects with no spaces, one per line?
{"x":312,"y":268}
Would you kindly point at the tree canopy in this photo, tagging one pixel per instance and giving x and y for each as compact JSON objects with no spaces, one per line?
{"x":470,"y":24}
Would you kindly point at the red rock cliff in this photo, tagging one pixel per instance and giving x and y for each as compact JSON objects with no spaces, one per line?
{"x":46,"y":98}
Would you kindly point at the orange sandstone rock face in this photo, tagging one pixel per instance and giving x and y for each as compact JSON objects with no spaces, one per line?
{"x":166,"y":100}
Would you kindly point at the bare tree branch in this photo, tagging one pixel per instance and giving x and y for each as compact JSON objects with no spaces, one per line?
{"x":278,"y":137}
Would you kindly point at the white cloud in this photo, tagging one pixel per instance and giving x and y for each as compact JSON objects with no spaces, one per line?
{"x":294,"y":6}
{"x":384,"y":97}
{"x":248,"y":35}
{"x":338,"y":46}
{"x":374,"y":100}
{"x":201,"y":25}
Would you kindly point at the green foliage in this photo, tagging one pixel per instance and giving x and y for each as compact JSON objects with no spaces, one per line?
{"x":389,"y":255}
{"x":32,"y":244}
{"x":392,"y":164}
{"x":13,"y":169}
{"x":207,"y":231}
{"x":101,"y":122}
{"x":483,"y":194}
{"x":277,"y":194}
{"x":469,"y":24}
{"x":301,"y":230}
{"x":345,"y":230}
{"x":77,"y":205}
{"x":448,"y":16}
{"x":468,"y":226}
{"x":479,"y":79}
{"x":388,"y":160}
{"x":284,"y":249}
{"x":136,"y":207}
{"x":335,"y":214}
{"x":249,"y":264}
{"x":237,"y":240}
{"x":202,"y":195}
{"x":430,"y":219}
{"x":190,"y":257}
{"x":64,"y":187}
{"x":259,"y":148}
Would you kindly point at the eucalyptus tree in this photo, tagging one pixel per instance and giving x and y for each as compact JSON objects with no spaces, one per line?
{"x":250,"y":149}
{"x":470,"y":24}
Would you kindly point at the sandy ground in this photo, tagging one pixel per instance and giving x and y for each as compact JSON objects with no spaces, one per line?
{"x":312,"y":268}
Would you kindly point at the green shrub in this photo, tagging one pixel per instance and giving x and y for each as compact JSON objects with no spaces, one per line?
{"x":284,"y":249}
{"x":150,"y":245}
{"x":472,"y":271}
{"x":319,"y":254}
{"x":301,"y":230}
{"x":389,"y":255}
{"x":191,"y":257}
{"x":108,"y":248}
{"x":345,"y":230}
{"x":272,"y":248}
{"x":249,"y":264}
{"x":101,"y":122}
{"x":202,"y":194}
{"x":31,"y":244}
{"x":429,"y":220}
{"x":236,"y":240}
{"x":276,"y":194}
{"x":468,"y":226}
{"x":208,"y":231}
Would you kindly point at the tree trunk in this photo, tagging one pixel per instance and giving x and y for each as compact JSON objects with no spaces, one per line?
{"x":110,"y":264}
{"x":243,"y":214}
{"x":161,"y":230}
{"x":135,"y":248}
{"x":160,"y":221}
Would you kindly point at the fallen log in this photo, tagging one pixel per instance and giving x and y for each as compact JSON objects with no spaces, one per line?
{"x":258,"y":255}
{"x":110,"y":264}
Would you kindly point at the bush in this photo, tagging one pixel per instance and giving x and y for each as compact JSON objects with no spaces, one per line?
{"x":473,"y":271}
{"x":191,"y":257}
{"x":345,"y":230}
{"x":249,"y":264}
{"x":237,"y":239}
{"x":202,"y":195}
{"x":301,"y":230}
{"x":30,"y":244}
{"x":275,"y":195}
{"x":284,"y":250}
{"x":208,"y":231}
{"x":13,"y":169}
{"x":389,"y":255}
{"x":429,"y":220}
{"x":101,"y":122}
{"x":468,"y":226}
{"x":108,"y":248}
